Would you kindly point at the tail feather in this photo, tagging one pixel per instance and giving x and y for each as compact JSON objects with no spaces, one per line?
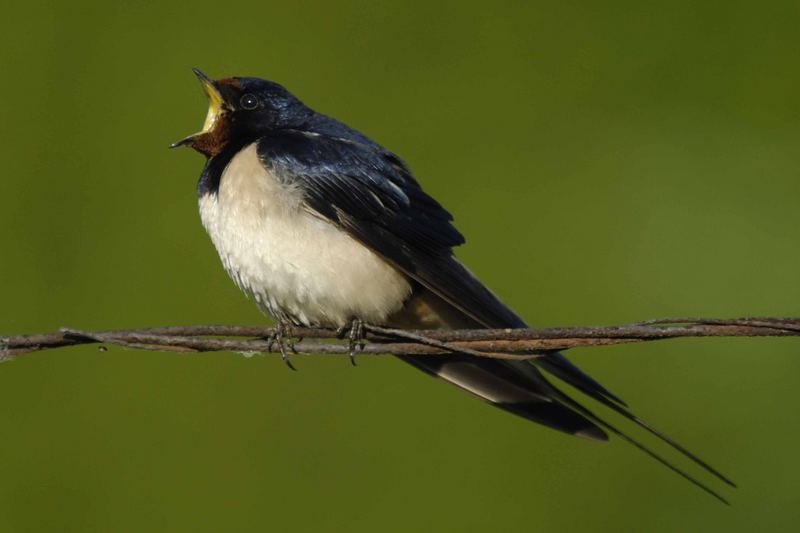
{"x":562,"y":368}
{"x":648,"y":451}
{"x":645,"y":425}
{"x":525,"y":394}
{"x":520,"y":388}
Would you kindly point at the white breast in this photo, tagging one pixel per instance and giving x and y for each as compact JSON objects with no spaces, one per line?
{"x":295,"y":265}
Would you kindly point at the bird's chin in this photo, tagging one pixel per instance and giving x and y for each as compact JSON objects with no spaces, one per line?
{"x":207,"y":143}
{"x":210,"y":139}
{"x":212,"y":132}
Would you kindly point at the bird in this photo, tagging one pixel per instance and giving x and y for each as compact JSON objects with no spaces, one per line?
{"x":323,"y":227}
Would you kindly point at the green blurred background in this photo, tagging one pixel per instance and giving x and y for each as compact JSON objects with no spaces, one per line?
{"x":607,"y":164}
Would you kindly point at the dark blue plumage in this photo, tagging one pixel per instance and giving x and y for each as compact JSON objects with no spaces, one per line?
{"x":368,"y":192}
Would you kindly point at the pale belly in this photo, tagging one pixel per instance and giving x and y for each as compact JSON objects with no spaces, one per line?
{"x":295,"y":265}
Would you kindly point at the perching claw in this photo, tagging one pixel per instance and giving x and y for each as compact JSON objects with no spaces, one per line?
{"x":282,"y":336}
{"x":354,"y":339}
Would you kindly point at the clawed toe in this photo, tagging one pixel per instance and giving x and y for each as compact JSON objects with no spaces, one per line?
{"x":355,"y":338}
{"x":282,"y":336}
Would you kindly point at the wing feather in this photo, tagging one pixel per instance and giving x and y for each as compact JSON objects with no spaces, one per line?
{"x":370,"y":193}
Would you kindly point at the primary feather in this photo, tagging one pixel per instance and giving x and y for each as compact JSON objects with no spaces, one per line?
{"x":370,"y":193}
{"x":320,"y":225}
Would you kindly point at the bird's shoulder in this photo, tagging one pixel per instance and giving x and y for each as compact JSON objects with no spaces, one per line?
{"x":347,"y":176}
{"x":368,"y":192}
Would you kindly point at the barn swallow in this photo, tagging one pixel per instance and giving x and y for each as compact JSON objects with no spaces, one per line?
{"x":323,"y":227}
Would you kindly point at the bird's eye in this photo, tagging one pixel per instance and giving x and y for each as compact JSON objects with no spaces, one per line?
{"x":249,"y":101}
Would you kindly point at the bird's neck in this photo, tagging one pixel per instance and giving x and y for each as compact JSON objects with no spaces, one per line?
{"x":215,"y":165}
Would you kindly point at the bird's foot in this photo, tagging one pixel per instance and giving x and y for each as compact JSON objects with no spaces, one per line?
{"x":282,"y":337}
{"x":355,"y":337}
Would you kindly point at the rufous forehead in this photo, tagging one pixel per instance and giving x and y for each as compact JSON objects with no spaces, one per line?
{"x":231,"y":82}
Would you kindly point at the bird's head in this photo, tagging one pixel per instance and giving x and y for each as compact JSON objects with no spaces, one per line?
{"x":240,"y":109}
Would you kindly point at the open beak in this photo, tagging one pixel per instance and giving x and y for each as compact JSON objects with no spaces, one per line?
{"x":216,"y":107}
